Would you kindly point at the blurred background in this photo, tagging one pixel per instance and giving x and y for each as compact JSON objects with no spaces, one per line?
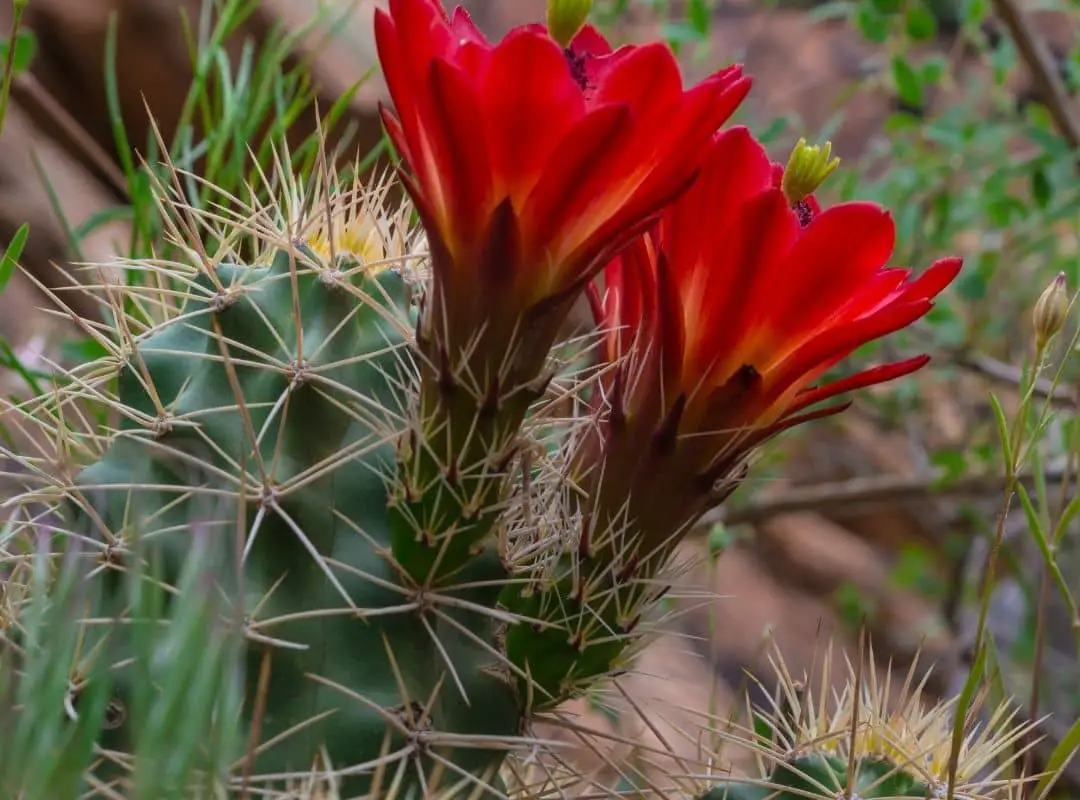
{"x":958,"y":115}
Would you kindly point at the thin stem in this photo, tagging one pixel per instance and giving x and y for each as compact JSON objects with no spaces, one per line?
{"x":1043,"y":599}
{"x":17,"y":9}
{"x":1014,"y":443}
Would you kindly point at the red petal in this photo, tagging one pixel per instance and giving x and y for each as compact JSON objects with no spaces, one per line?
{"x":664,"y":176}
{"x":932,"y":282}
{"x":777,"y":174}
{"x":735,"y":170}
{"x":615,"y":233}
{"x":732,"y":287}
{"x":804,"y":361}
{"x":406,"y":39}
{"x":590,"y":42}
{"x":677,"y":146}
{"x":574,"y":194}
{"x":424,"y":30}
{"x":461,"y":23}
{"x":396,"y":134}
{"x":672,"y":328}
{"x":860,"y":380}
{"x":460,"y":153}
{"x":395,"y":70}
{"x":596,"y":303}
{"x":647,"y":79}
{"x":530,"y":102}
{"x":832,"y":260}
{"x":787,"y":423}
{"x":440,"y":254}
{"x":472,"y":51}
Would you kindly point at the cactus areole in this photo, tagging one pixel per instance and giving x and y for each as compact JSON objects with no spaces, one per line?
{"x":448,"y":521}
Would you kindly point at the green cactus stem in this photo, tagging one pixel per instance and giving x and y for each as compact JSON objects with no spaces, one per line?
{"x":276,"y":395}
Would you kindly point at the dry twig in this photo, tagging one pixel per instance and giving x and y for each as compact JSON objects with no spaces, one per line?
{"x":858,"y":493}
{"x":1040,"y":61}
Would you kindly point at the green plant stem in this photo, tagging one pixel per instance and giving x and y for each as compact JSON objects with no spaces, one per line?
{"x":1013,"y":441}
{"x":18,"y":7}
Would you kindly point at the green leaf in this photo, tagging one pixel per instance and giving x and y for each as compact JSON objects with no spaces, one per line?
{"x":12,"y":254}
{"x":771,"y":132}
{"x":1067,"y":517}
{"x":9,"y":359}
{"x":872,"y":23}
{"x":975,"y":11}
{"x":698,"y":14}
{"x":25,"y":49}
{"x":953,"y":465}
{"x":1035,"y":525}
{"x":676,"y":33}
{"x":933,"y":70}
{"x":908,"y":83}
{"x":1003,"y":428}
{"x":101,"y":218}
{"x":920,"y":23}
{"x":1041,"y":189}
{"x":1059,"y":758}
{"x":886,"y":6}
{"x":82,"y":351}
{"x":1001,"y":210}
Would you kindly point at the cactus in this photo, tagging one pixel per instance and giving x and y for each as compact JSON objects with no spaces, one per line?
{"x":445,"y":519}
{"x":873,"y":740}
{"x":305,"y":354}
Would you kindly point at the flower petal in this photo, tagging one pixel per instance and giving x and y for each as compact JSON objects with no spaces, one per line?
{"x":530,"y":102}
{"x":860,"y":380}
{"x":463,"y":27}
{"x":831,"y":262}
{"x":647,"y":79}
{"x":590,"y":42}
{"x":728,"y":299}
{"x":842,"y":340}
{"x":460,"y":152}
{"x":736,"y":170}
{"x":939,"y":275}
{"x":574,"y":195}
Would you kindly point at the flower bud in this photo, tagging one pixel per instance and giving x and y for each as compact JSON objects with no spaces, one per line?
{"x":1051,"y":310}
{"x":807,"y":169}
{"x":566,"y":17}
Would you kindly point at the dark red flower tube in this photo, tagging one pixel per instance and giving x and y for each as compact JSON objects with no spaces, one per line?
{"x":720,"y":319}
{"x":531,"y":165}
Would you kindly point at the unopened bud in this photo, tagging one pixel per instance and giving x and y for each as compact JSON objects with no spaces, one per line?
{"x":807,"y":169}
{"x":565,"y":18}
{"x":1051,"y":310}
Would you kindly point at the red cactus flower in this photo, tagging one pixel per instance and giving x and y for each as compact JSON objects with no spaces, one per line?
{"x":723,"y":315}
{"x":531,"y":164}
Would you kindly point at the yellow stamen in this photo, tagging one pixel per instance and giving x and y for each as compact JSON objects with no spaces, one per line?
{"x":358,"y":242}
{"x":807,"y":169}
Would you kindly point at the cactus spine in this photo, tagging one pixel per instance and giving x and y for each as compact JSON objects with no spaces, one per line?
{"x":873,"y":740}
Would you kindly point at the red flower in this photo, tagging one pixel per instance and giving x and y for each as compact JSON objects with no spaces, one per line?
{"x":530,"y":165}
{"x":722,"y":317}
